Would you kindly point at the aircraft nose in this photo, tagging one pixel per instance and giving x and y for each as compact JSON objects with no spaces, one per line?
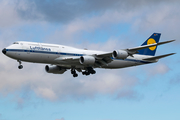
{"x":4,"y":51}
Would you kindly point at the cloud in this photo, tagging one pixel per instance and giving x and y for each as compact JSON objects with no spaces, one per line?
{"x":46,"y":93}
{"x":86,"y":24}
{"x":60,"y":11}
{"x":159,"y":69}
{"x":152,"y":71}
{"x":78,"y":17}
{"x":9,"y":16}
{"x":160,"y":17}
{"x":66,"y":11}
{"x":157,"y":16}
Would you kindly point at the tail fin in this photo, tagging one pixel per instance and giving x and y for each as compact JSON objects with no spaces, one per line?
{"x":154,"y":38}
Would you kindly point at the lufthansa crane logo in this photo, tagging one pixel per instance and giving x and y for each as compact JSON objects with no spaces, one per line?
{"x":151,"y":41}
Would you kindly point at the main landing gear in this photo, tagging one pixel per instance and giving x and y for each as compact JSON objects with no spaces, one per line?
{"x":20,"y":66}
{"x":89,"y":71}
{"x":73,"y":71}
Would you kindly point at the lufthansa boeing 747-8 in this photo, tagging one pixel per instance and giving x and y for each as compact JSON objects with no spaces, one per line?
{"x":62,"y":58}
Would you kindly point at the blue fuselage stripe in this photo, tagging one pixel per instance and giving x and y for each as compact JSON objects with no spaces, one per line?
{"x":45,"y":52}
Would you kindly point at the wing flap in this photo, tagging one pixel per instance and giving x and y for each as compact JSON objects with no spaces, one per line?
{"x":103,"y":59}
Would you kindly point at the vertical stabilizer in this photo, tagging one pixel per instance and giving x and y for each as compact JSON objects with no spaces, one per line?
{"x":154,"y":38}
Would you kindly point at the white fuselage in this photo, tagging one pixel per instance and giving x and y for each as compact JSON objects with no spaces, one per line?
{"x":50,"y":53}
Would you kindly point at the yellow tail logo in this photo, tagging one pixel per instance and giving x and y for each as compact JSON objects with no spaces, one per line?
{"x":151,"y":41}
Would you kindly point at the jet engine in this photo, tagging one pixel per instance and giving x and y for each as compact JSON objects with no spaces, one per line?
{"x":120,"y":54}
{"x":54,"y":69}
{"x":87,"y":60}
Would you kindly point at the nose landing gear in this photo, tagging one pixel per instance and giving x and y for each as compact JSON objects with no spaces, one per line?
{"x":20,"y":66}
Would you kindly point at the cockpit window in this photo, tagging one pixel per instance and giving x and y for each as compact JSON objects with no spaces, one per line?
{"x":15,"y":43}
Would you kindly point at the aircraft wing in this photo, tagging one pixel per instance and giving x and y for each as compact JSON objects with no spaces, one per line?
{"x":135,"y":49}
{"x":101,"y":59}
{"x":105,"y":58}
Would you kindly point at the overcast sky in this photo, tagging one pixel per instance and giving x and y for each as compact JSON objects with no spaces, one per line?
{"x":142,"y":92}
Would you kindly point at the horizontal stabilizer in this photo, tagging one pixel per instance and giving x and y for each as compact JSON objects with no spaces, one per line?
{"x":159,"y":57}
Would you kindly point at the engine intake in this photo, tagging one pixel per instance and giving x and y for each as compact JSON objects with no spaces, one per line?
{"x":120,"y":54}
{"x":87,"y":60}
{"x":54,"y":69}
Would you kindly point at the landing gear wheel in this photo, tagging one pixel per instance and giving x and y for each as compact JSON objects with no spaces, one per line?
{"x":87,"y":73}
{"x":20,"y":66}
{"x":93,"y":72}
{"x":83,"y":73}
{"x":75,"y":75}
{"x":73,"y":71}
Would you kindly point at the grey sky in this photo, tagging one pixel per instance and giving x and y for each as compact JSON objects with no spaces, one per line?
{"x":153,"y":16}
{"x":65,"y":11}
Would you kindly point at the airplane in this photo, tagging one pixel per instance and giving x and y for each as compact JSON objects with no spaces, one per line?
{"x":62,"y":58}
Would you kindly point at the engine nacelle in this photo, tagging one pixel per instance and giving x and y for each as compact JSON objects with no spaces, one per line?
{"x":87,"y":60}
{"x":120,"y":54}
{"x":54,"y":69}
